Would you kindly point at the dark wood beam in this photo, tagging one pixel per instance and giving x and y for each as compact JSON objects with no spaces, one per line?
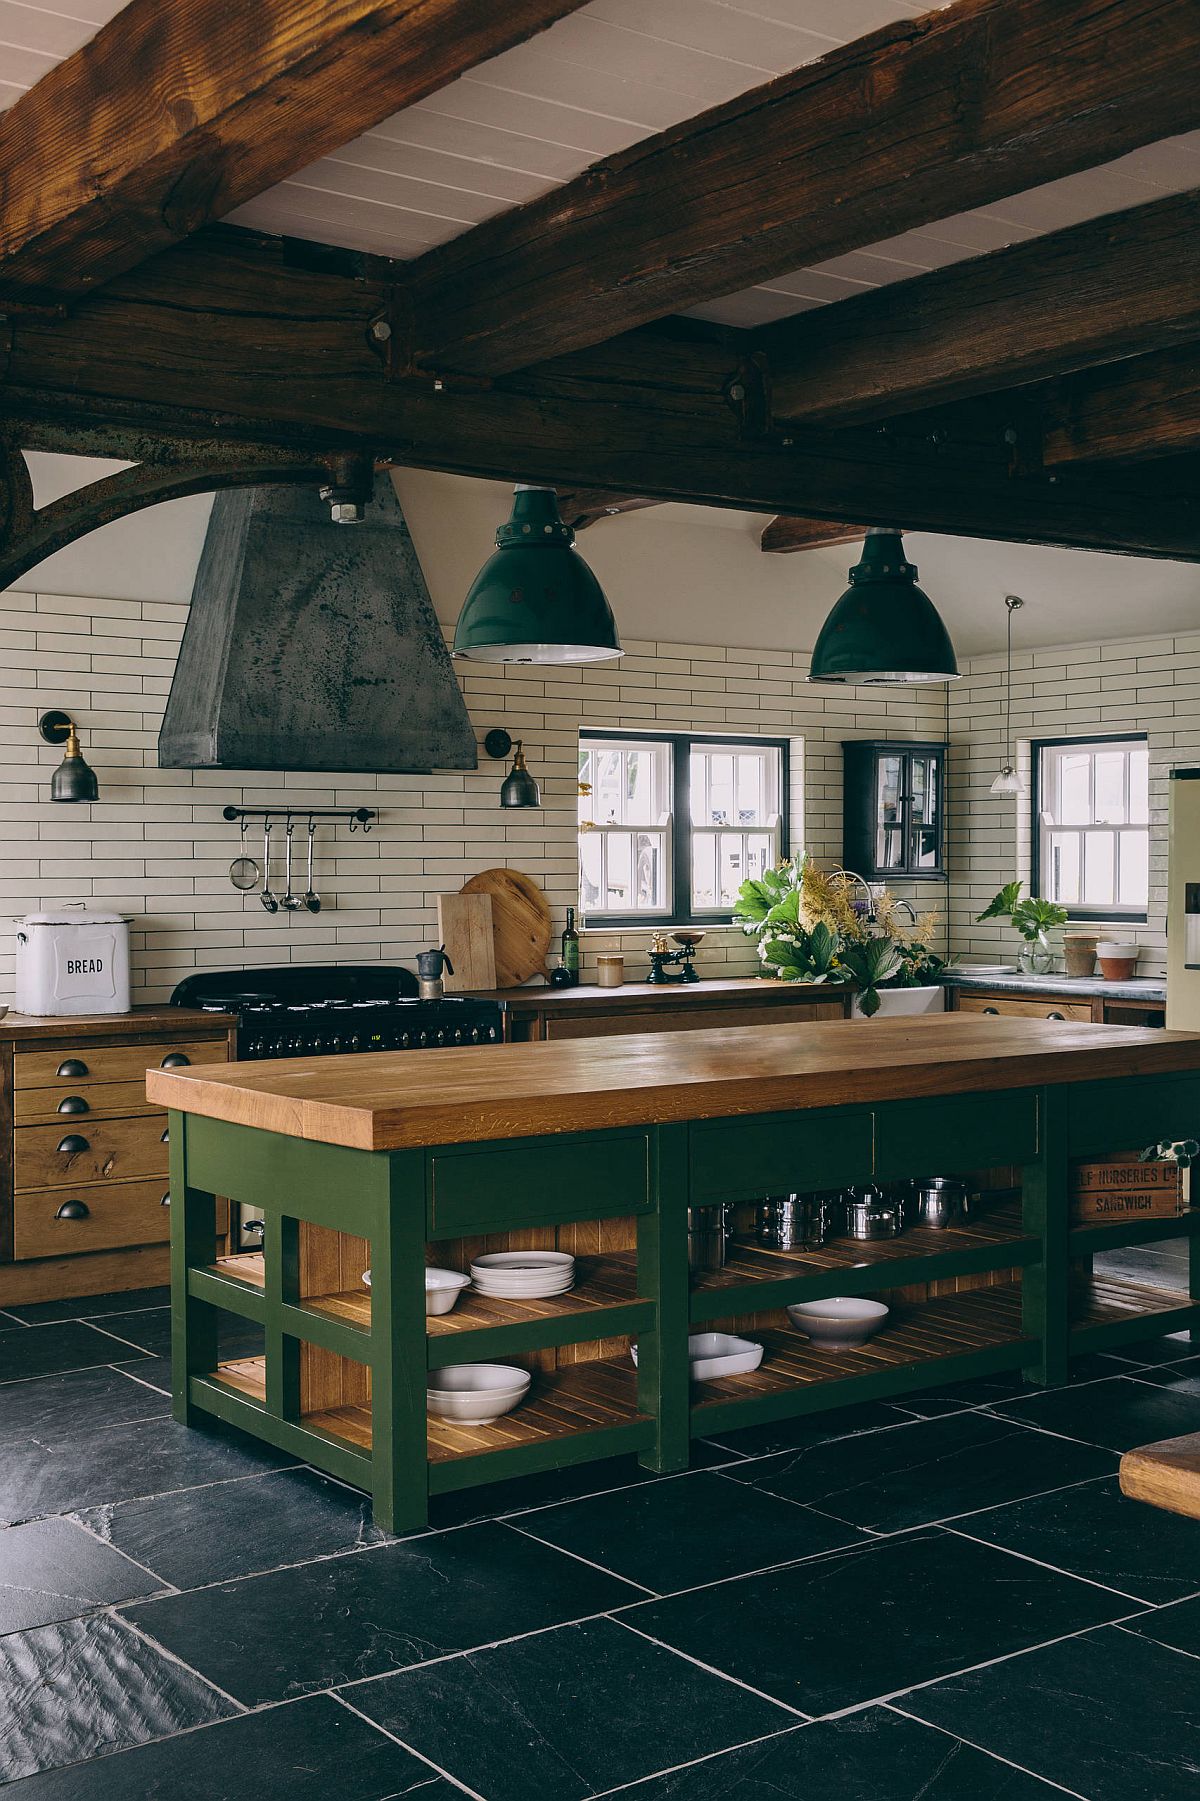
{"x":179,"y":110}
{"x":786,"y":534}
{"x":581,"y":507}
{"x":914,"y":123}
{"x":1147,"y":406}
{"x":222,"y":335}
{"x":1112,"y":287}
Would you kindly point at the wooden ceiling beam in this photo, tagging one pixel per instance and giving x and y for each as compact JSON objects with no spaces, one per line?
{"x":179,"y":110}
{"x":1112,"y":287}
{"x":786,"y":534}
{"x":162,"y":353}
{"x":1146,"y":406}
{"x":913,"y":123}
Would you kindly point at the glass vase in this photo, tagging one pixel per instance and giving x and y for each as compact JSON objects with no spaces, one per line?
{"x":1035,"y":958}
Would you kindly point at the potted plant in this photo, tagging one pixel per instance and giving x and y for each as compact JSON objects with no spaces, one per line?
{"x":1033,"y":918}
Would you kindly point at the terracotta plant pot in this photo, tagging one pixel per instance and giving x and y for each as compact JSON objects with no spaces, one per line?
{"x":1079,"y":952}
{"x":1117,"y":961}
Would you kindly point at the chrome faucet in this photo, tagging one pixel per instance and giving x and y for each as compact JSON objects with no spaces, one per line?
{"x":899,"y":901}
{"x":850,"y":875}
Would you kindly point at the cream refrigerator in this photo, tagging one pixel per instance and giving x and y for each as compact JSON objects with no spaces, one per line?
{"x":1183,"y":902}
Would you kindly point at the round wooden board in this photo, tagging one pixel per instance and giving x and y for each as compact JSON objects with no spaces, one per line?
{"x":520,"y":921}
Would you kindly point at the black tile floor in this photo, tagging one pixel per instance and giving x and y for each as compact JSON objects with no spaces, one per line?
{"x":944,"y":1598}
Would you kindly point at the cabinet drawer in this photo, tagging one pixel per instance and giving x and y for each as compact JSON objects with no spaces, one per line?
{"x":1132,"y":1114}
{"x":954,"y":1133}
{"x":81,"y":1100}
{"x":1050,"y":1008}
{"x":84,"y":1150}
{"x":691,"y":1019}
{"x":741,"y":1159}
{"x":538,"y":1182}
{"x":88,"y":1062}
{"x":117,"y":1214}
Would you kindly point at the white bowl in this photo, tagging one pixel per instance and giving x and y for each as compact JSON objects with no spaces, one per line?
{"x":840,"y":1323}
{"x":713,"y":1354}
{"x":476,"y":1393}
{"x":442,"y":1289}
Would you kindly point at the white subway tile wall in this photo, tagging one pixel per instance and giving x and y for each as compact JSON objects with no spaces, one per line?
{"x":156,"y":847}
{"x":1079,"y":690}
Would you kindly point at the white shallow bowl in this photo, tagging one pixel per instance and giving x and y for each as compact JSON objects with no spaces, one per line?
{"x":442,"y":1289}
{"x":476,"y":1393}
{"x":713,"y":1354}
{"x":839,"y":1324}
{"x":524,"y":1263}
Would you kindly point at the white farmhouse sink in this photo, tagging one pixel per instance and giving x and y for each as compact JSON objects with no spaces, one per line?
{"x":898,"y":1001}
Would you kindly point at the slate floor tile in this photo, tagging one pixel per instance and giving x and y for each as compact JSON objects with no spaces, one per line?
{"x":92,"y":1306}
{"x":1106,"y":1715}
{"x":86,"y":1687}
{"x":270,"y":1638}
{"x":1177,"y":1625}
{"x":54,"y":1408}
{"x":521,"y":1494}
{"x":1171,"y":1347}
{"x":232,"y":1529}
{"x":862,"y":1624}
{"x":813,"y":1429}
{"x":874,"y":1755}
{"x":149,"y":1329}
{"x":46,"y":1350}
{"x":312,"y":1750}
{"x":154,"y":1371}
{"x":1117,"y":1414}
{"x":565,"y":1714}
{"x":115,"y":1463}
{"x":1094,"y":1532}
{"x":926,"y":1470}
{"x":54,"y":1570}
{"x":672,"y":1535}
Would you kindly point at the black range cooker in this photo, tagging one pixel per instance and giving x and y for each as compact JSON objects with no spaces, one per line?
{"x":305,"y":1011}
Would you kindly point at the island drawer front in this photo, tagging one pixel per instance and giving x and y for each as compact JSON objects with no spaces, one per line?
{"x":117,"y":1214}
{"x":537,"y":1182}
{"x":85,"y":1062}
{"x":955,"y":1132}
{"x":84,"y":1150}
{"x":793,"y":1153}
{"x":1050,"y":1008}
{"x":1132,"y":1114}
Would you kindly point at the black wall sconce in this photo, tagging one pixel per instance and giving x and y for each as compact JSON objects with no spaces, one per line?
{"x":518,"y":789}
{"x":73,"y":779}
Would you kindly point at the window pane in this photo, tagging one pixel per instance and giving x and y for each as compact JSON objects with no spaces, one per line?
{"x":760,"y":855}
{"x":1075,"y":788}
{"x":924,"y":847}
{"x":731,"y":866}
{"x":889,"y":850}
{"x":607,"y":796}
{"x":1061,"y":878}
{"x":1110,"y":787}
{"x":639,"y":787}
{"x":751,"y":799}
{"x":1139,"y":787}
{"x":1134,"y":883}
{"x":1099,"y":869}
{"x":919,"y":789}
{"x":704,"y":870}
{"x":721,"y":807}
{"x":591,"y":858}
{"x":650,"y":867}
{"x":619,"y":886}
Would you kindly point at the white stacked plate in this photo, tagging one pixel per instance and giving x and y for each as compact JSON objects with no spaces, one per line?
{"x":523,"y":1275}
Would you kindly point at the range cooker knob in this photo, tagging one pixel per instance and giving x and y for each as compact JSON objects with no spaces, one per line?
{"x":406,"y":1041}
{"x":441,"y":1038}
{"x":458,"y":1035}
{"x":493,"y":1034}
{"x":475,"y":1035}
{"x":422,"y":1040}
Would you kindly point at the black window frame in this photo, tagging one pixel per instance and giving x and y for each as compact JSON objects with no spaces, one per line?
{"x":681,"y":912}
{"x":1080,"y":912}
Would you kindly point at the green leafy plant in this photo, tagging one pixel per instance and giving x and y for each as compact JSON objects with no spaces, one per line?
{"x":1031,"y":917}
{"x":919,"y":966}
{"x":868,"y":964}
{"x":805,"y":956}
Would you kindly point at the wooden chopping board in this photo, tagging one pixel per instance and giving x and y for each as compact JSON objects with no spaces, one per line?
{"x":465,"y":928}
{"x":521,"y":924}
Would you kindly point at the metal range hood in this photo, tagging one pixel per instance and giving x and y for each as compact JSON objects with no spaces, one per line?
{"x":311,"y":645}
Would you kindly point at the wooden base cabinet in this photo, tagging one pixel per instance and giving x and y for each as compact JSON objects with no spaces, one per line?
{"x":84,"y":1191}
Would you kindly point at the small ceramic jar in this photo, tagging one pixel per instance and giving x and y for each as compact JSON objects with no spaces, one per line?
{"x":610,"y":969}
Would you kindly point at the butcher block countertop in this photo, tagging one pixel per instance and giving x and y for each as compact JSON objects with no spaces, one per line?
{"x":177,"y":1022}
{"x":390,"y":1101}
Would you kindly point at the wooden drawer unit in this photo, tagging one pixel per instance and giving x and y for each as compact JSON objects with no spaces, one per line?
{"x":90,"y":1216}
{"x":77,"y":1070}
{"x":1050,"y":1008}
{"x":103,"y":1150}
{"x":695,"y":1020}
{"x":537,"y":1182}
{"x":80,"y":1100}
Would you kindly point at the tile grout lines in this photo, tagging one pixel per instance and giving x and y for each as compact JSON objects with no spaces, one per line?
{"x":336,"y":1695}
{"x":994,"y":1755}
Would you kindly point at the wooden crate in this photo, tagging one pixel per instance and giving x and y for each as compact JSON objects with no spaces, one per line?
{"x":1122,"y":1187}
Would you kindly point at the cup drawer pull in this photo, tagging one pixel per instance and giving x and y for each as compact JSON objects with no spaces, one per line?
{"x":166,"y":1200}
{"x":175,"y":1060}
{"x":165,"y":1137}
{"x":73,"y":1210}
{"x":73,"y":1068}
{"x":1056,"y":1016}
{"x":994,"y":1010}
{"x":73,"y":1103}
{"x":72,"y":1144}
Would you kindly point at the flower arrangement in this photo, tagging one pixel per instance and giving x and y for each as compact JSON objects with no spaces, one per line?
{"x":811,"y":926}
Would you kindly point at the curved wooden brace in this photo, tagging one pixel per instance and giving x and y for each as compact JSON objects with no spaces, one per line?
{"x":29,"y":534}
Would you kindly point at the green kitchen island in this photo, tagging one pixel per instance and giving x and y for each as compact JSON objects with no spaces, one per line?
{"x":599,"y":1147}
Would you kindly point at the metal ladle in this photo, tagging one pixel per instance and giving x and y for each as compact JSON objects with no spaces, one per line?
{"x":291,"y":901}
{"x":266,"y":897}
{"x":312,"y":899}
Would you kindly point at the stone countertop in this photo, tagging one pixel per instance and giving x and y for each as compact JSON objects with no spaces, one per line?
{"x":1140,"y":989}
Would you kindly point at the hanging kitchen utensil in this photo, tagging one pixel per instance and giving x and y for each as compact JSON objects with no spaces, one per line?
{"x":312,"y":899}
{"x":266,"y":897}
{"x":244,"y":873}
{"x":290,"y":901}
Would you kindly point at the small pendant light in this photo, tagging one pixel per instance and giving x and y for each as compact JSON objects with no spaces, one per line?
{"x":74,"y":779}
{"x":884,"y":630}
{"x":535,"y":600}
{"x":1008,"y":784}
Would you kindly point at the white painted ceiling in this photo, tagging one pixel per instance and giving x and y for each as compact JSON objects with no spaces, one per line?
{"x":613,"y":73}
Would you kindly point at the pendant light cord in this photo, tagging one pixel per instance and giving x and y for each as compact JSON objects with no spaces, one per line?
{"x":1011,"y":602}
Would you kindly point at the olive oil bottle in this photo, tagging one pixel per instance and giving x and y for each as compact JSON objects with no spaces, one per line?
{"x":570,"y":947}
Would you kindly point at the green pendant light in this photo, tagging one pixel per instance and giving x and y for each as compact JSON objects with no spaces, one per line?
{"x":535,"y":600}
{"x":884,"y":630}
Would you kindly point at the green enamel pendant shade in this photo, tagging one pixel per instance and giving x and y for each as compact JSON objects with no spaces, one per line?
{"x":884,"y":629}
{"x":535,"y":600}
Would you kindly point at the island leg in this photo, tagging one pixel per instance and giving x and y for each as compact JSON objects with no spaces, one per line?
{"x":193,"y":1246}
{"x":1046,"y":1285}
{"x":399,"y":1455}
{"x":663,"y":1378}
